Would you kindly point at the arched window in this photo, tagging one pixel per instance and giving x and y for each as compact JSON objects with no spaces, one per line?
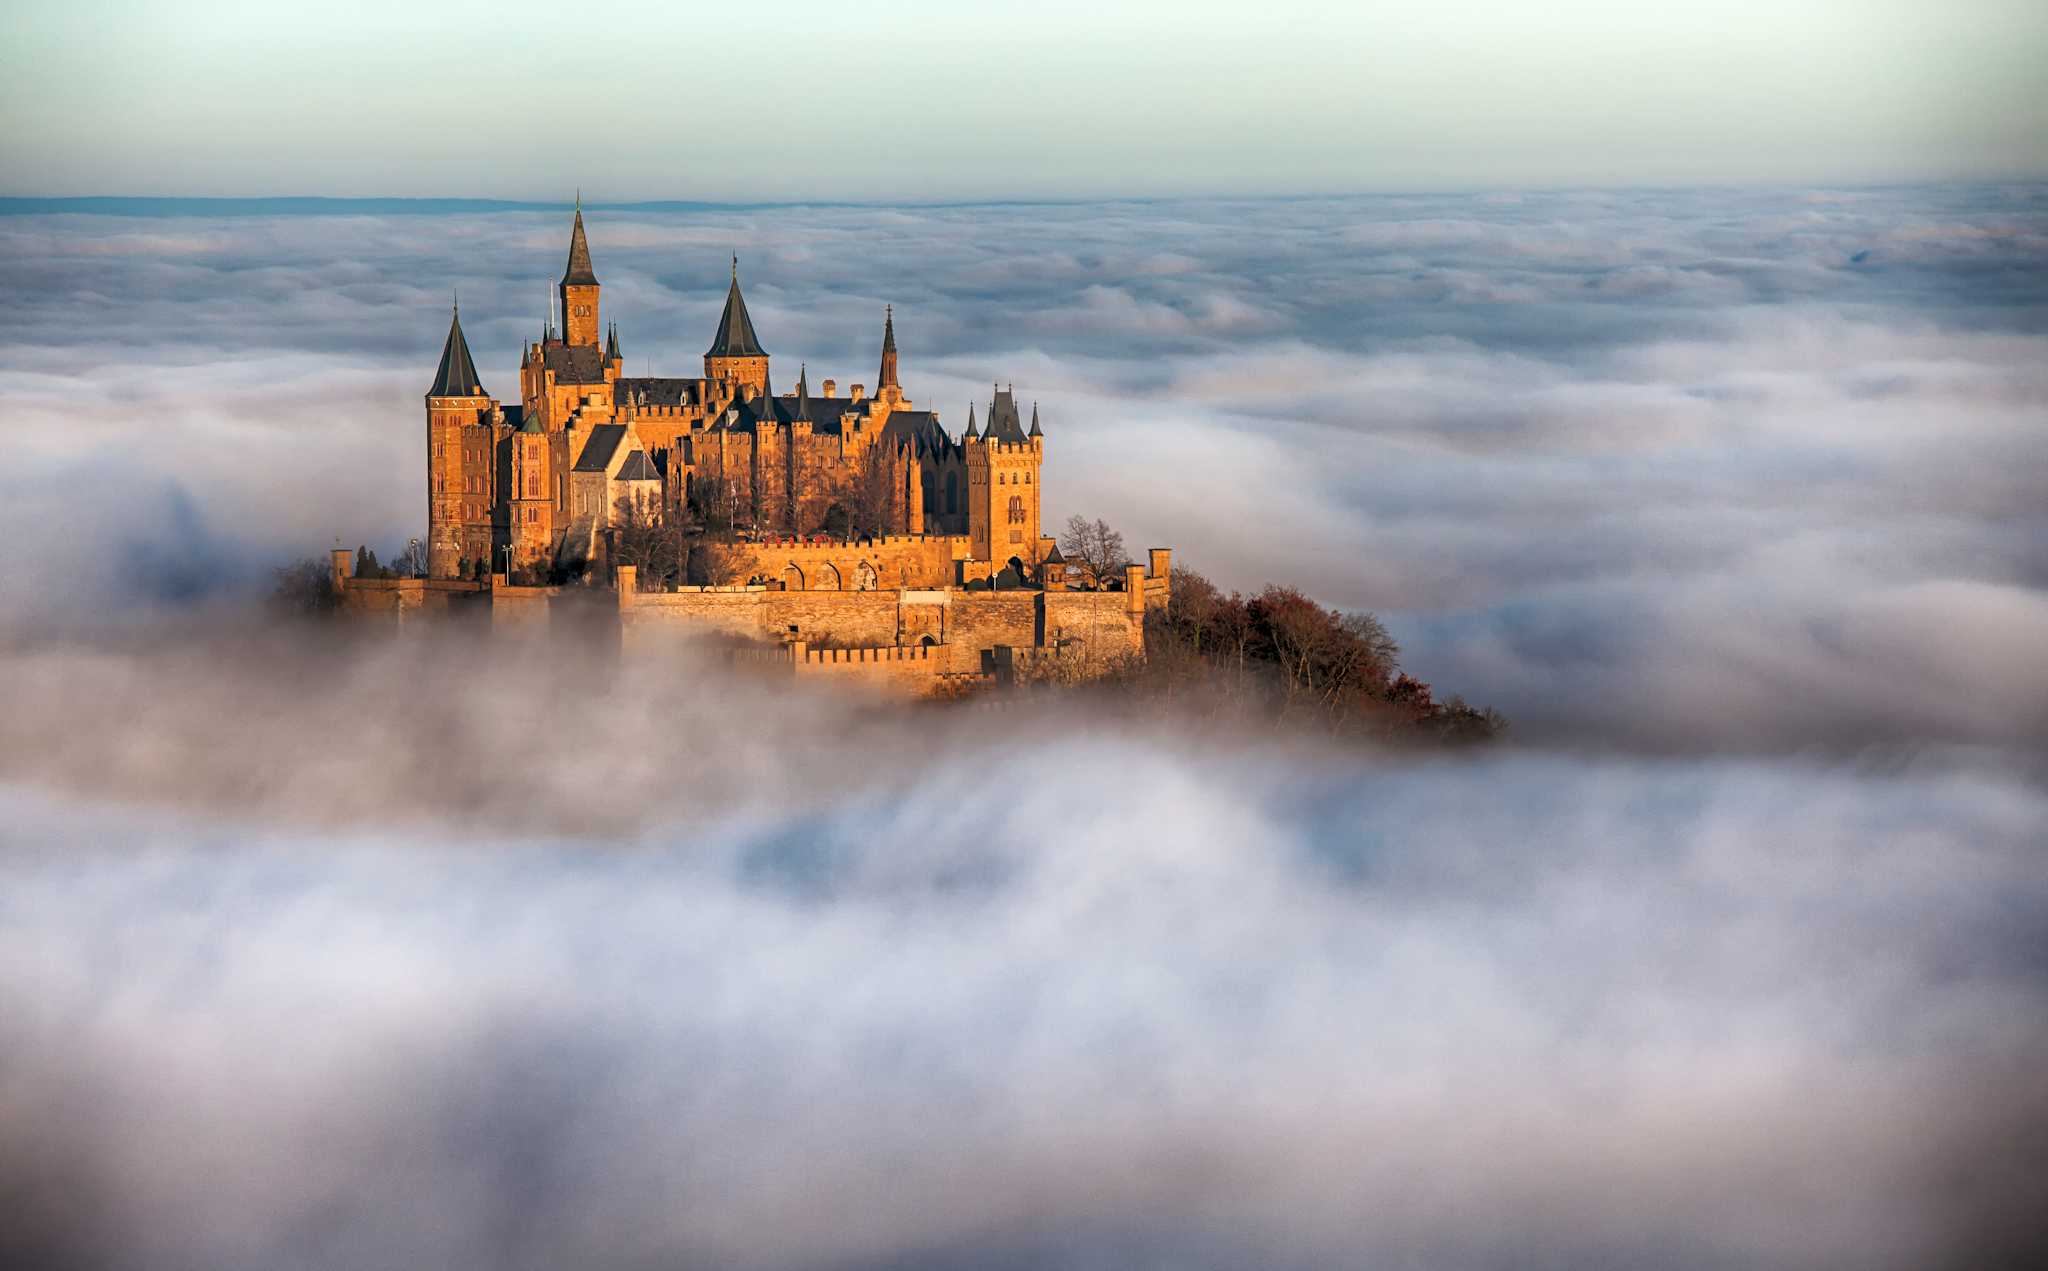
{"x":952,"y":493}
{"x":864,"y":577}
{"x":1016,"y":509}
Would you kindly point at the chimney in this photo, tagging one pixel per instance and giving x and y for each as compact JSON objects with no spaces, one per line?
{"x":830,"y":388}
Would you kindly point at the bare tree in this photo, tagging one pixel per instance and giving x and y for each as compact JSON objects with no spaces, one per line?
{"x":871,"y":494}
{"x":650,"y":542}
{"x":711,"y":505}
{"x":715,"y":564}
{"x":303,"y":588}
{"x":1094,"y":546}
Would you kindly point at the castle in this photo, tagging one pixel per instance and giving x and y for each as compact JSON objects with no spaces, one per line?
{"x":858,"y":539}
{"x":532,"y":486}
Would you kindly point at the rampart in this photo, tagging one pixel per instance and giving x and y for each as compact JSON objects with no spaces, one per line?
{"x":923,"y":641}
{"x":865,"y":564}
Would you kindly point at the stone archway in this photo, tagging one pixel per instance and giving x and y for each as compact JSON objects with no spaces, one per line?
{"x":865,"y":578}
{"x":792,"y":577}
{"x":826,"y":578}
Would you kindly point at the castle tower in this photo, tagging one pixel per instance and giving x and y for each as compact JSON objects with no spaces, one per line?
{"x":579,"y":289}
{"x":886,"y":386}
{"x":531,"y":530}
{"x":1003,"y":468}
{"x":736,"y":355}
{"x":458,"y":463}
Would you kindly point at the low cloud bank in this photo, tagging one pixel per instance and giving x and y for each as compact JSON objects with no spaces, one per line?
{"x":435,"y":952}
{"x":1654,"y":468}
{"x":448,"y":951}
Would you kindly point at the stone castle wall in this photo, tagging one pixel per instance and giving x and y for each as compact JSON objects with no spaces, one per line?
{"x":915,"y":641}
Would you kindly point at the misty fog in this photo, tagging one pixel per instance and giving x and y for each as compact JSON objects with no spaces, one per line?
{"x":332,"y":952}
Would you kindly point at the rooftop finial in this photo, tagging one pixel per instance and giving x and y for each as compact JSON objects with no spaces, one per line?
{"x":735,"y":266}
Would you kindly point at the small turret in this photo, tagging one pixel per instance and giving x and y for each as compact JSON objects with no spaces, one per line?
{"x":457,"y":376}
{"x":887,"y":379}
{"x":1035,"y":430}
{"x":579,"y":288}
{"x":736,"y":353}
{"x":970,"y":434}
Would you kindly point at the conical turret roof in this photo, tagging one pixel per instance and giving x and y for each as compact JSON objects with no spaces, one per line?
{"x":735,"y":336}
{"x":457,"y":376}
{"x":1035,"y":430}
{"x":579,"y":273}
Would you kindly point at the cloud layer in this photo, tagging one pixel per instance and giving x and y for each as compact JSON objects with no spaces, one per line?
{"x":331,"y":954}
{"x":1733,"y":469}
{"x":374,"y":985}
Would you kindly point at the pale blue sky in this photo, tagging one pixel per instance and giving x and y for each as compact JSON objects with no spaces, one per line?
{"x":919,"y":100}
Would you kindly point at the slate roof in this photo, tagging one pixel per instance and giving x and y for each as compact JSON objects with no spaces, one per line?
{"x":457,"y":376}
{"x":597,"y":452}
{"x":919,"y":429}
{"x":573,"y":364}
{"x":660,"y":390}
{"x":735,"y":336}
{"x":1003,"y":424}
{"x":637,"y":468}
{"x":579,"y":273}
{"x":825,"y":413}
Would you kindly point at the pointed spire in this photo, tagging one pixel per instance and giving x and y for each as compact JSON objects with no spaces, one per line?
{"x":579,"y":273}
{"x":611,"y":343}
{"x":457,"y":376}
{"x":1036,"y":431}
{"x":735,"y":335}
{"x":970,"y":434}
{"x":887,"y":377}
{"x":803,"y":392}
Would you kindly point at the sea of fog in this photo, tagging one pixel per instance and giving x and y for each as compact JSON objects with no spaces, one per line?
{"x":449,"y":952}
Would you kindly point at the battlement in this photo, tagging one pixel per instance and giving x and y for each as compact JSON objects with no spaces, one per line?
{"x":1006,"y":447}
{"x":802,"y":652}
{"x":862,"y":543}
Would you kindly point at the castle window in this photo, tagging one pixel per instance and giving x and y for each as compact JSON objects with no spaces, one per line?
{"x":1016,"y":509}
{"x":952,"y":493}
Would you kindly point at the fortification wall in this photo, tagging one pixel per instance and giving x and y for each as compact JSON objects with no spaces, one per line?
{"x":833,"y":617}
{"x":898,"y":561}
{"x":1101,"y":624}
{"x":979,"y":620}
{"x":396,"y":600}
{"x":648,"y":619}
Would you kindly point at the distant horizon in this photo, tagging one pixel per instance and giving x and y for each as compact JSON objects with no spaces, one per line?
{"x":44,"y":204}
